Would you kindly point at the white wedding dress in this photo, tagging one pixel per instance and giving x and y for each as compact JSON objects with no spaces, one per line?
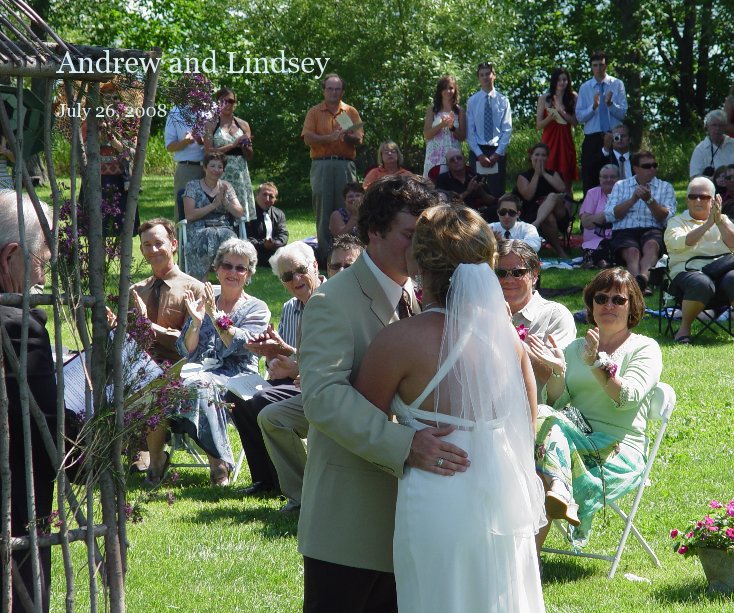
{"x":465,"y":543}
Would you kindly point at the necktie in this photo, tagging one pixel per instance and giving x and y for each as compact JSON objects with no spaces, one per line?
{"x":488,"y":121}
{"x":621,"y":166}
{"x":507,"y":234}
{"x":404,"y":306}
{"x":154,"y":300}
{"x":603,"y":110}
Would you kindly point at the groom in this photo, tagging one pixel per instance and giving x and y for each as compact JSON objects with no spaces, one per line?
{"x":355,"y":454}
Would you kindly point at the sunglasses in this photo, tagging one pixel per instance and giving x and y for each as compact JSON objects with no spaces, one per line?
{"x":338,"y":266}
{"x":288,"y":274}
{"x":616,"y":299}
{"x":518,"y":273}
{"x":701,"y":197}
{"x":228,"y":267}
{"x":229,"y":101}
{"x":456,"y":158}
{"x":649,"y":165}
{"x":510,"y":212}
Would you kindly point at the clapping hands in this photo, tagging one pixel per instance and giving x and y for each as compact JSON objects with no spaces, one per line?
{"x":269,"y":344}
{"x":592,"y":346}
{"x":547,"y":352}
{"x":195,"y":307}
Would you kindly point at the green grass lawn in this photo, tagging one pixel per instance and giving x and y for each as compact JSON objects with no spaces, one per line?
{"x":214,"y":550}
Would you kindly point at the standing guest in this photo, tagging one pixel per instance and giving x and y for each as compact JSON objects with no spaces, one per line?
{"x":355,"y":455}
{"x":231,"y":136}
{"x":333,"y":150}
{"x":714,"y":150}
{"x":210,"y":206}
{"x":489,"y":128}
{"x":556,"y":117}
{"x":444,"y":126}
{"x":541,"y":189}
{"x":517,"y":271}
{"x":617,"y":150}
{"x":41,"y":381}
{"x":509,"y":227}
{"x":389,"y":162}
{"x":6,"y":155}
{"x":597,"y":230}
{"x":267,"y":232}
{"x":468,"y":185}
{"x":700,"y":230}
{"x":601,"y":105}
{"x":638,"y":209}
{"x":344,"y":219}
{"x":187,"y":149}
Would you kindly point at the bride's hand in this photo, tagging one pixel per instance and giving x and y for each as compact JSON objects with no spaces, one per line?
{"x":546,"y":353}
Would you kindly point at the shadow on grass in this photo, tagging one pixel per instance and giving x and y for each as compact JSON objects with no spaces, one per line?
{"x":272,"y":524}
{"x":561,"y":570}
{"x":692,"y":593}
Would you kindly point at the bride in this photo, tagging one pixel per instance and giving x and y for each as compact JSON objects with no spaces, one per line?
{"x":464,"y":543}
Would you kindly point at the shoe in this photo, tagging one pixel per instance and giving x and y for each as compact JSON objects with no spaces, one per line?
{"x":141,"y":463}
{"x":259,"y":487}
{"x":151,"y":480}
{"x":557,"y":507}
{"x":219,"y":474}
{"x":683,"y":340}
{"x":292,"y":506}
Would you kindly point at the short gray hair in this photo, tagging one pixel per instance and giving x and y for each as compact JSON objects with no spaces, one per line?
{"x":613,"y":167}
{"x":704,"y":182}
{"x":522,"y":250}
{"x":9,"y":226}
{"x":298,"y":251}
{"x":715,"y":114}
{"x":238,"y":247}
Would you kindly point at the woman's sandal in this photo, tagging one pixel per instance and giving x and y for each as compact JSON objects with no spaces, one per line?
{"x":558,"y":507}
{"x":153,"y":481}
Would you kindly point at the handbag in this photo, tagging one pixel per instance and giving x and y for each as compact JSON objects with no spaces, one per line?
{"x":577,"y":418}
{"x":719,"y":267}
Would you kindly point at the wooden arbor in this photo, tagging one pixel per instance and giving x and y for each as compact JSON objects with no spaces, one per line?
{"x":29,"y":49}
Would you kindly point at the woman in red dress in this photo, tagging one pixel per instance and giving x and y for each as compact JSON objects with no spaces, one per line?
{"x":556,"y":117}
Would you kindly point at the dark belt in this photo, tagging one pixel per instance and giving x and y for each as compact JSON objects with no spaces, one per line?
{"x":189,"y":163}
{"x":332,"y":157}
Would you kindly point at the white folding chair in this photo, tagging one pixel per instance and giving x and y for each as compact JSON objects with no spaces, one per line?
{"x":661,"y":408}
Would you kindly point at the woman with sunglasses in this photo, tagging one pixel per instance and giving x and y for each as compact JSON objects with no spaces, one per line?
{"x":231,"y":136}
{"x":701,"y":230}
{"x":596,"y":454}
{"x":215,"y":336}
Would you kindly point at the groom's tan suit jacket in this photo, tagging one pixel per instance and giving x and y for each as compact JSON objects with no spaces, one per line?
{"x":355,"y":454}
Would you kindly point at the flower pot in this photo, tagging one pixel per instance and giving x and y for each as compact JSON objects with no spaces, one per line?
{"x":718,"y":566}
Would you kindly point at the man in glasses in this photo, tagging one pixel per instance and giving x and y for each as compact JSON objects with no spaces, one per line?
{"x":717,"y":149}
{"x":268,"y":231}
{"x":510,"y":227}
{"x":470,"y":187}
{"x":517,"y":270}
{"x":638,"y":209}
{"x":332,"y":130}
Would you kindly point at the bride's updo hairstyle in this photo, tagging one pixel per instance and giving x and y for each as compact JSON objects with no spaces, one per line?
{"x":448,"y":235}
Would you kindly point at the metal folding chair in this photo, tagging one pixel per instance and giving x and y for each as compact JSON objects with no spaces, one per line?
{"x":661,"y":408}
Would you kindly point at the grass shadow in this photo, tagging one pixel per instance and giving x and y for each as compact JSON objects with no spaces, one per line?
{"x":559,"y":570}
{"x":691,"y":593}
{"x":272,"y":524}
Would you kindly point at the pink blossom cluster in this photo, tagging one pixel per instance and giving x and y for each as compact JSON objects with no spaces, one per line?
{"x":193,"y":94}
{"x":714,"y":531}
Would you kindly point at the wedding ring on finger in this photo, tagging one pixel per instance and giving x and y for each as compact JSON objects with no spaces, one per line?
{"x":439,"y":462}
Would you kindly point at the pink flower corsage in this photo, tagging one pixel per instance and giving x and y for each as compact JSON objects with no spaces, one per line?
{"x":522,"y":331}
{"x":224,"y":322}
{"x":604,"y":362}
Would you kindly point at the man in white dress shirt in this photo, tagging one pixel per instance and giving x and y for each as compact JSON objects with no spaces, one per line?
{"x":187,"y":149}
{"x":510,"y":227}
{"x":717,"y":149}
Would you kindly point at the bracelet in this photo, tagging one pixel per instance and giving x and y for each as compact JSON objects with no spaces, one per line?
{"x":603,"y":362}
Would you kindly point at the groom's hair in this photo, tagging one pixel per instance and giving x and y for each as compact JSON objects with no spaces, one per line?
{"x":387,"y":197}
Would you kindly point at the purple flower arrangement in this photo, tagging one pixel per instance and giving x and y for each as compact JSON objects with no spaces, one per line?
{"x":714,"y":531}
{"x":193,"y":94}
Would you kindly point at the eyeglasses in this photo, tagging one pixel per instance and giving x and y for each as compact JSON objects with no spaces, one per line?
{"x":648,"y":165}
{"x":510,"y":212}
{"x":333,"y":89}
{"x":338,"y":266}
{"x":229,"y":101}
{"x":288,"y":274}
{"x":616,"y":299}
{"x":701,"y":197}
{"x":518,"y":273}
{"x":456,"y":158}
{"x":228,"y":267}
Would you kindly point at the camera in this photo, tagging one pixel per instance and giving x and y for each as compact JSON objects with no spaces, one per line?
{"x":617,"y":138}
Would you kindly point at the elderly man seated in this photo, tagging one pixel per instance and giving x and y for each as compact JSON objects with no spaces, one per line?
{"x":470,"y":186}
{"x":267,"y":232}
{"x":549,"y":322}
{"x":509,"y":226}
{"x":700,"y":230}
{"x":638,"y":209}
{"x":717,"y":149}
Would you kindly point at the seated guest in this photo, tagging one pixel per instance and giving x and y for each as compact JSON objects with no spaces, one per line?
{"x":41,"y":381}
{"x":468,"y":185}
{"x":727,"y":204}
{"x":597,"y":230}
{"x":295,"y":265}
{"x":700,"y":230}
{"x":389,"y":160}
{"x":719,"y":180}
{"x":714,"y":150}
{"x":344,"y":219}
{"x":638,"y":209}
{"x":267,"y":231}
{"x":509,"y":227}
{"x":217,"y":330}
{"x":210,"y":207}
{"x":517,"y":271}
{"x":542,"y":191}
{"x":608,"y":377}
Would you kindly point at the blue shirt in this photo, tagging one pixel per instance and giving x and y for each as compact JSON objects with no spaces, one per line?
{"x":176,"y":129}
{"x":501,"y":118}
{"x":585,"y":112}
